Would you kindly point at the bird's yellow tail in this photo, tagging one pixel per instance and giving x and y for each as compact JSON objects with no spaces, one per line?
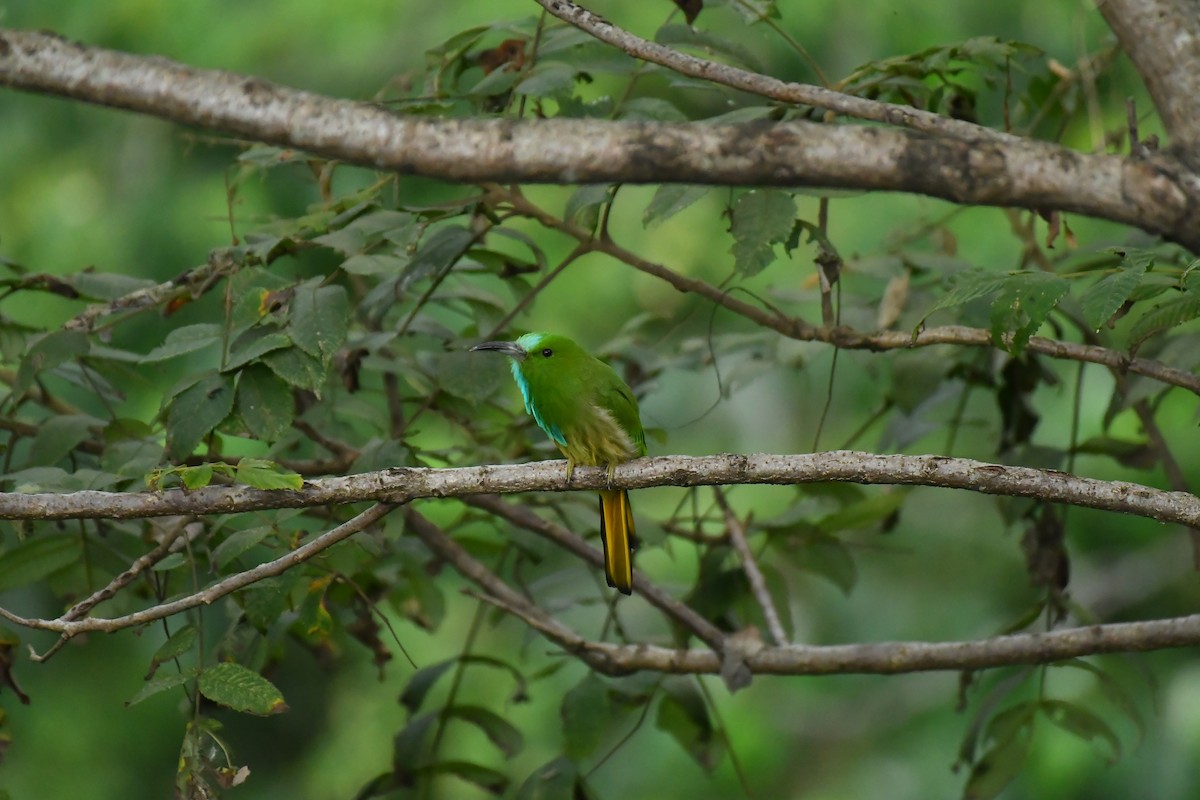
{"x":616,"y":532}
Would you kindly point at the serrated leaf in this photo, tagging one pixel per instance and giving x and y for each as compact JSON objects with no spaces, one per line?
{"x":1164,"y":317}
{"x":179,"y":643}
{"x":182,"y":341}
{"x":498,"y":730}
{"x":966,"y":286}
{"x":254,"y":344}
{"x":233,"y":686}
{"x":161,"y":683}
{"x":1079,"y":721}
{"x":264,"y":402}
{"x":196,"y":477}
{"x":761,"y":219}
{"x":263,"y":474}
{"x":669,"y":200}
{"x":33,"y":559}
{"x":320,"y":319}
{"x":1022,"y":305}
{"x":237,"y":543}
{"x":1103,"y":298}
{"x":195,"y":411}
{"x":297,"y":368}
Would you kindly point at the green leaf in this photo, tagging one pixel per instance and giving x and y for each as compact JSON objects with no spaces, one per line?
{"x":437,"y":252}
{"x":583,"y":206}
{"x":297,"y":368}
{"x":828,"y":557}
{"x":669,"y":200}
{"x":556,"y":780}
{"x":1010,"y":731}
{"x":196,"y":411}
{"x":264,"y":402}
{"x":460,"y":374}
{"x":47,"y":353}
{"x":238,"y":543}
{"x":966,"y":286}
{"x":263,"y":474}
{"x":374,"y":264}
{"x":549,"y":79}
{"x":57,"y":437}
{"x":872,"y":509}
{"x":586,"y":709}
{"x":106,"y":285}
{"x":1164,"y":317}
{"x":1106,"y":296}
{"x":683,"y":714}
{"x":182,"y":341}
{"x":484,"y":777}
{"x":1113,"y":691}
{"x":320,"y":320}
{"x":34,"y":559}
{"x":179,"y":643}
{"x":498,"y":730}
{"x":233,"y":686}
{"x":264,"y":602}
{"x":161,"y":683}
{"x":196,"y":477}
{"x":421,"y":682}
{"x":410,"y":746}
{"x":1078,"y":721}
{"x":1022,"y":305}
{"x":254,"y":344}
{"x":761,"y":219}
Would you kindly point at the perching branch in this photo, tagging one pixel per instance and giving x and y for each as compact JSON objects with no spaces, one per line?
{"x":1157,"y":194}
{"x":403,"y":484}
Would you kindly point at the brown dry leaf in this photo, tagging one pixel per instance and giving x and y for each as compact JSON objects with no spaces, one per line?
{"x":690,"y":8}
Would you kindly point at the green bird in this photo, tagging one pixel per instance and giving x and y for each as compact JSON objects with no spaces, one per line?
{"x":591,"y":414}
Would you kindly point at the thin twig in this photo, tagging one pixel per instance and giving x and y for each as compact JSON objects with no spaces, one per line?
{"x":758,"y":584}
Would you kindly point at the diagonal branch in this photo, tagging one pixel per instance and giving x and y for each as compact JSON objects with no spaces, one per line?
{"x":758,"y":584}
{"x":765,"y":85}
{"x":69,"y":626}
{"x":1157,"y":194}
{"x":846,"y":337}
{"x":403,"y":484}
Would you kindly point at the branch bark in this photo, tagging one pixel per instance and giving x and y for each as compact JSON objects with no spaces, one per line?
{"x":1158,"y":194}
{"x":1162,"y":38}
{"x":404,"y":484}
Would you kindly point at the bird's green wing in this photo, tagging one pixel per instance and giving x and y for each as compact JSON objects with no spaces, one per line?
{"x":617,"y":398}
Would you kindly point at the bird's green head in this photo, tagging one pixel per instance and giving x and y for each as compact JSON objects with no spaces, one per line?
{"x":538,"y":353}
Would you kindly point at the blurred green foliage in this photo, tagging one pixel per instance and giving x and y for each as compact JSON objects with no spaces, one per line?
{"x":331,"y":303}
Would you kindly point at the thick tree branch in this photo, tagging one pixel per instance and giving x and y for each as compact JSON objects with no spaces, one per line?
{"x":1162,"y":38}
{"x":1156,"y":194}
{"x":403,"y":484}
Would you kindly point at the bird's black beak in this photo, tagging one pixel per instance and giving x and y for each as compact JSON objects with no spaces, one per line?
{"x":510,"y":349}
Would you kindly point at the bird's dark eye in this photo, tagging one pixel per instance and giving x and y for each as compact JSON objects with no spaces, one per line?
{"x":547,"y":352}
